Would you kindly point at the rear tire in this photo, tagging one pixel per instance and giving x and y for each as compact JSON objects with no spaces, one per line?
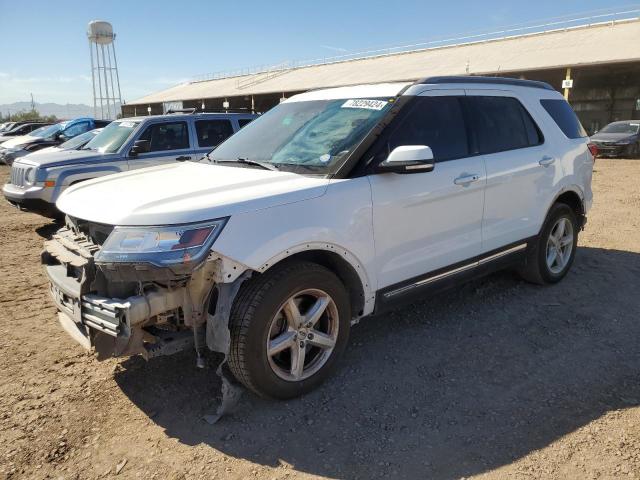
{"x":289,"y":328}
{"x":551,"y":256}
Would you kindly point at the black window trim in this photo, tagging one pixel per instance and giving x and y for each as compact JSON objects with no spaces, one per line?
{"x":367,"y":163}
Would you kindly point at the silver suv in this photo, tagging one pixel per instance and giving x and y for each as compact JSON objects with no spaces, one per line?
{"x":37,"y":181}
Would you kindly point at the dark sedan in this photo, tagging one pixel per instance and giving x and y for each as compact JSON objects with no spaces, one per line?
{"x":619,"y":139}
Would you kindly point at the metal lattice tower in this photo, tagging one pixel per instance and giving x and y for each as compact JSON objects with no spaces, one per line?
{"x":106,"y":94}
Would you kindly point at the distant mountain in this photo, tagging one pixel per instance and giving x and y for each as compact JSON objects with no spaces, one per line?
{"x":70,"y":110}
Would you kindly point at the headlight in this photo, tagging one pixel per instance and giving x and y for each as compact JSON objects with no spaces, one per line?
{"x":30,"y":176}
{"x":160,"y":246}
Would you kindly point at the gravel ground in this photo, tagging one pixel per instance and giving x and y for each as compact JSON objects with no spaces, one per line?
{"x":498,"y":379}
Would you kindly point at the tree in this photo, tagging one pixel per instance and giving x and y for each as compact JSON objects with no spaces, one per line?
{"x":29,"y":115}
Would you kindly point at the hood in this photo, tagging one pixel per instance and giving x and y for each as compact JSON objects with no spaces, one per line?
{"x":58,"y":158}
{"x":47,"y":150}
{"x":184,"y":193}
{"x":611,"y":137}
{"x":22,"y":139}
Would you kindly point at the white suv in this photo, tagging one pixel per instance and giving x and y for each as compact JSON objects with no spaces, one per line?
{"x":335,"y":205}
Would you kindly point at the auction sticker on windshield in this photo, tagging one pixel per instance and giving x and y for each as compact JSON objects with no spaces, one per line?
{"x":365,"y":103}
{"x":127,"y":124}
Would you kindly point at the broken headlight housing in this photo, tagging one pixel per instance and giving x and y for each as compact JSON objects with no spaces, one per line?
{"x":161,"y":246}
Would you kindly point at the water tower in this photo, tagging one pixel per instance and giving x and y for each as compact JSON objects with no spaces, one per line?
{"x":106,"y":92}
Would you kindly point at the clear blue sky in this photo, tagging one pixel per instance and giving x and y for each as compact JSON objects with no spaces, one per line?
{"x":163,"y":42}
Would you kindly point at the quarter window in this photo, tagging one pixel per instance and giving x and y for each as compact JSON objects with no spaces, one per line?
{"x":244,"y":121}
{"x":213,"y":132}
{"x":76,"y":129}
{"x":565,"y":117}
{"x":436,"y":122}
{"x":500,"y":124}
{"x":166,"y":136}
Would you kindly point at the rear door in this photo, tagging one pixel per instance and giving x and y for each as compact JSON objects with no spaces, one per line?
{"x":210,"y":133}
{"x":426,"y":221}
{"x":169,"y":142}
{"x":521,"y":168}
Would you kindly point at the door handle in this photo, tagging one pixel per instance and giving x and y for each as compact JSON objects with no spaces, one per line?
{"x":466,"y":179}
{"x":546,"y":161}
{"x":182,"y":158}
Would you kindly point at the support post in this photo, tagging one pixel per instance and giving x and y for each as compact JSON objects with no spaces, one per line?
{"x":566,"y":90}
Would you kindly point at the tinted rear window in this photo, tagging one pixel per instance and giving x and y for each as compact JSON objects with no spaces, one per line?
{"x":565,"y":117}
{"x":213,"y":132}
{"x":501,"y":124}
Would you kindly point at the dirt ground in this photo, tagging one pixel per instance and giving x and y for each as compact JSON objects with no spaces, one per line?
{"x":498,"y":379}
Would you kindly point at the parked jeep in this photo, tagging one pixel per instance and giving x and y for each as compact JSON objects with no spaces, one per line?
{"x":46,"y":137}
{"x":36,"y":182}
{"x":332,"y":206}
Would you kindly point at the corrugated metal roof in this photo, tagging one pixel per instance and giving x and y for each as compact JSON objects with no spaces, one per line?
{"x":584,"y":45}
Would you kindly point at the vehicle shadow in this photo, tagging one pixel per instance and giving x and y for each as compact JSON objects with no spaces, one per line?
{"x":48,"y":229}
{"x":453,"y":386}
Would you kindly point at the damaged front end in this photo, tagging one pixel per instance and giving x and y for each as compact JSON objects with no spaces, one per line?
{"x":134,"y":302}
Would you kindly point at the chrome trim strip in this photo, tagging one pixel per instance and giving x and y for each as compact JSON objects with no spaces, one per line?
{"x":455,"y":271}
{"x":495,"y":256}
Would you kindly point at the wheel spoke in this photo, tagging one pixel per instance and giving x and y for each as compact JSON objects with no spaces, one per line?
{"x":292,"y":312}
{"x":566,"y":240}
{"x":281,"y":342}
{"x":316,"y":311}
{"x":561,"y":228}
{"x":552,"y":254}
{"x":321,"y":340}
{"x":560,"y":258}
{"x":297,"y":360}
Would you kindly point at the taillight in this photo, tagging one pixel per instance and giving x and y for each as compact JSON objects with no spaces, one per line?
{"x":593,"y":148}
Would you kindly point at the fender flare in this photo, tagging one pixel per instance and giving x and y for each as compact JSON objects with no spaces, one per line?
{"x":367,"y":288}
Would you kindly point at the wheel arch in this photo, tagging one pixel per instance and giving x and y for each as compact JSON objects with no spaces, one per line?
{"x":342,"y":263}
{"x":574,"y":199}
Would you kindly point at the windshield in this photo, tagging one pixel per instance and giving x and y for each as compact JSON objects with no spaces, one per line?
{"x":630,"y":128}
{"x":48,"y":131}
{"x":112,"y":137}
{"x":78,"y":141}
{"x":310,"y":135}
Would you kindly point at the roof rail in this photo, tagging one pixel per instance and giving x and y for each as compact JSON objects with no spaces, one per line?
{"x":181,"y":110}
{"x":487,"y":81}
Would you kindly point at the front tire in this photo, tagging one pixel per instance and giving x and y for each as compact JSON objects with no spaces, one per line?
{"x":553,"y":252}
{"x":288,"y":327}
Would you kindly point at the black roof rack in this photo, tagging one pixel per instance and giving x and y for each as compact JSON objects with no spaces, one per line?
{"x":486,"y":81}
{"x":181,"y":110}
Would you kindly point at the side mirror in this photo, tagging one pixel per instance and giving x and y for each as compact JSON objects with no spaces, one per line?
{"x":408,"y":159}
{"x":139,"y":146}
{"x":61,"y":137}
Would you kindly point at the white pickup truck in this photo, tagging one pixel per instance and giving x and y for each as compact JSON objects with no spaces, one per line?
{"x":334,"y":205}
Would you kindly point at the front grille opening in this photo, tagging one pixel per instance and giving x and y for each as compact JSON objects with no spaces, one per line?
{"x":96,"y":232}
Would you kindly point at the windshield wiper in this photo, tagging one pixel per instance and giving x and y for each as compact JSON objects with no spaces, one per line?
{"x":265,"y":165}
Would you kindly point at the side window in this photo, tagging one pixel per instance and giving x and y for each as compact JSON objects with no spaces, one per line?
{"x":436,"y":122}
{"x":213,"y":132}
{"x":565,"y":117}
{"x":76,"y":129}
{"x":244,"y":121}
{"x":501,"y":124}
{"x":166,"y":136}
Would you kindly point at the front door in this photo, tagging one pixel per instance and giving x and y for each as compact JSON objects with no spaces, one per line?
{"x":430,"y":220}
{"x":168,"y":143}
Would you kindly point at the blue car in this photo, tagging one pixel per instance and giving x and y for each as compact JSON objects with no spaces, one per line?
{"x":49,"y":136}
